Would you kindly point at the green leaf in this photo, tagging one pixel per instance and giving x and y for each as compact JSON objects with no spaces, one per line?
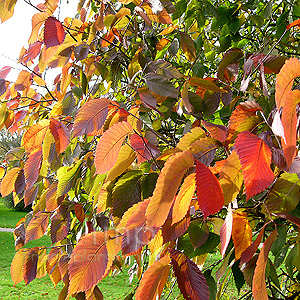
{"x":278,"y":244}
{"x":211,"y":285}
{"x":198,"y":233}
{"x":238,"y":276}
{"x":148,"y":184}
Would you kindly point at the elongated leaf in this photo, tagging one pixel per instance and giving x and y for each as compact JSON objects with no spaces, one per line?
{"x":161,"y":85}
{"x":231,"y":178}
{"x":226,"y":230}
{"x":30,"y":265}
{"x":37,"y":226}
{"x":61,"y":134}
{"x":218,"y":132}
{"x":91,"y":116}
{"x":54,"y":33}
{"x":66,"y":177}
{"x":23,"y":81}
{"x":16,"y":269}
{"x":241,"y":233}
{"x":32,"y":167}
{"x":187,"y":46}
{"x":37,"y":21}
{"x":154,"y":279}
{"x":285,"y":80}
{"x":209,"y":193}
{"x":88,"y":262}
{"x":184,"y":198}
{"x":191,"y":281}
{"x":189,"y":138}
{"x":259,"y":288}
{"x":109,"y":146}
{"x":206,"y":84}
{"x":8,"y":181}
{"x":289,"y":122}
{"x":166,"y":187}
{"x":255,"y":156}
{"x":60,"y":224}
{"x":34,"y":136}
{"x":79,"y":212}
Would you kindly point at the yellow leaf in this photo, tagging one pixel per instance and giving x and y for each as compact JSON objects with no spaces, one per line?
{"x":39,"y":81}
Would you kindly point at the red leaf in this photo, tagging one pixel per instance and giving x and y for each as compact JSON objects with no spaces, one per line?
{"x":255,"y":156}
{"x":209,"y":193}
{"x":154,"y":280}
{"x":30,"y":195}
{"x":54,"y":33}
{"x":218,"y":132}
{"x":79,"y":212}
{"x":30,"y":265}
{"x":91,"y":116}
{"x":32,"y":167}
{"x":259,"y":288}
{"x":61,"y":134}
{"x":191,"y":281}
{"x":4,"y":72}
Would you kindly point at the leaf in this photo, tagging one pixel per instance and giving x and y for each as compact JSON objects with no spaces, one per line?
{"x":109,"y":146}
{"x":191,"y":281}
{"x":30,"y":195}
{"x":37,"y":226}
{"x":285,"y":80}
{"x":161,"y":85}
{"x":185,"y":98}
{"x":7,"y":9}
{"x":206,"y":85}
{"x":218,"y":132}
{"x":61,"y":134}
{"x":255,"y":156}
{"x":126,"y":192}
{"x":30,"y":265}
{"x":229,"y":67}
{"x":91,"y":116}
{"x":88,"y":262}
{"x":54,"y":33}
{"x":32,"y":167}
{"x":209,"y":193}
{"x":231,"y":178}
{"x":34,"y":136}
{"x":198,"y":233}
{"x":154,"y":280}
{"x":189,"y":138}
{"x":66,"y":178}
{"x":16,"y":269}
{"x":23,"y":81}
{"x":226,"y":230}
{"x":79,"y":212}
{"x":60,"y":224}
{"x":184,"y":198}
{"x":241,"y":233}
{"x":293,"y":24}
{"x":8,"y":181}
{"x":259,"y":288}
{"x":136,"y":234}
{"x":5,"y":71}
{"x":289,"y":122}
{"x":167,"y":184}
{"x":187,"y":46}
{"x":37,"y":21}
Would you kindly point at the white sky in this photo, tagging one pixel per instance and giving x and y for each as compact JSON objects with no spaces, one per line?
{"x":15,"y":31}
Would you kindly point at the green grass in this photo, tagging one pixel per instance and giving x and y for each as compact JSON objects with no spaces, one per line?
{"x":8,"y":217}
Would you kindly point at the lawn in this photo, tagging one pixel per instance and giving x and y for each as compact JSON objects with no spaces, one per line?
{"x":8,"y":217}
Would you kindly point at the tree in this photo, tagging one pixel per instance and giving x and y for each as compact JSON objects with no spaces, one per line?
{"x":170,"y":132}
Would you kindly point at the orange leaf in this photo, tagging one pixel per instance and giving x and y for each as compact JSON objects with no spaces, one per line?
{"x":241,"y":233}
{"x":8,"y":181}
{"x":91,"y":116}
{"x":61,"y":134}
{"x":166,"y":187}
{"x":109,"y":146}
{"x":54,"y":33}
{"x":255,"y":156}
{"x":37,"y":226}
{"x":184,"y":198}
{"x":189,"y":138}
{"x":32,"y":167}
{"x":23,"y":81}
{"x":16,"y":269}
{"x":285,"y":80}
{"x":191,"y":281}
{"x":187,"y":45}
{"x":209,"y":193}
{"x":88,"y":262}
{"x":79,"y":212}
{"x":154,"y":280}
{"x":218,"y":132}
{"x":226,"y":230}
{"x":259,"y":288}
{"x":30,"y":265}
{"x":185,"y":98}
{"x":37,"y":22}
{"x":293,"y":24}
{"x":34,"y":136}
{"x":289,"y":122}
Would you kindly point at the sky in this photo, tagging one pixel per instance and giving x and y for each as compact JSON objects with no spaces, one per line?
{"x":15,"y":31}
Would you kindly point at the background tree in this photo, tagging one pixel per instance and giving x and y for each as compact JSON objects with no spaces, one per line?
{"x":167,"y":135}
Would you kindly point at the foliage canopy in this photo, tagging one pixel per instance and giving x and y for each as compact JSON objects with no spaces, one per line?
{"x":170,"y":132}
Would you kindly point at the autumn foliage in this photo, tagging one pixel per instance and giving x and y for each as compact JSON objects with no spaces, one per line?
{"x":166,"y":136}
